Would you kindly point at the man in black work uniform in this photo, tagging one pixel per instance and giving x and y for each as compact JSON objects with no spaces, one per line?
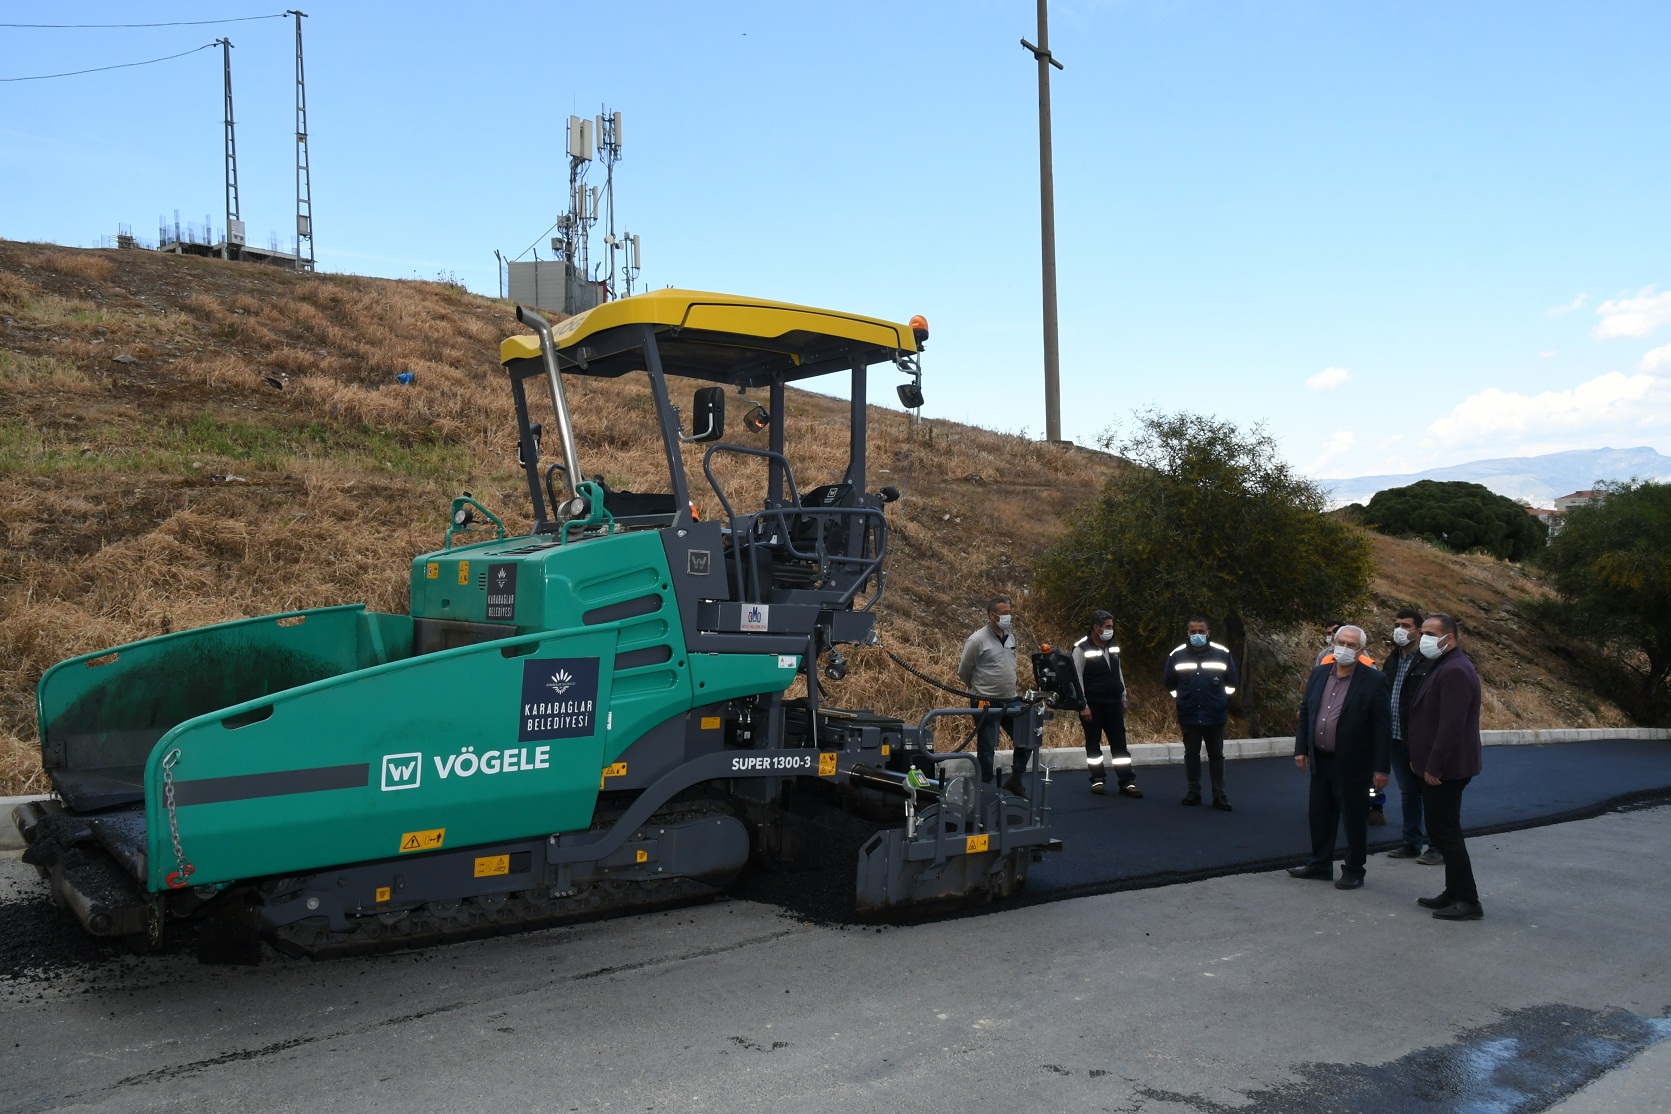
{"x":1097,"y":661}
{"x":1201,"y":675}
{"x":1342,"y":741}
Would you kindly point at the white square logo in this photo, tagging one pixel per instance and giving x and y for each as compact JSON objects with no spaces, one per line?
{"x":755,"y":616}
{"x":402,"y":771}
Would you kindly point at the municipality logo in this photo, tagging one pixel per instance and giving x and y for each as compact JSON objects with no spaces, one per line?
{"x":402,"y":771}
{"x":561,"y":681}
{"x":500,"y":576}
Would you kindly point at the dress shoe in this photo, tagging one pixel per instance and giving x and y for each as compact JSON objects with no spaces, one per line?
{"x":1131,"y":791}
{"x":1349,"y":880}
{"x":1096,"y":787}
{"x":1323,"y":872}
{"x":1193,"y":797}
{"x":1431,"y":857}
{"x":1222,"y":803}
{"x":1377,"y":818}
{"x":1440,"y":902}
{"x":1404,"y":851}
{"x":1459,"y":911}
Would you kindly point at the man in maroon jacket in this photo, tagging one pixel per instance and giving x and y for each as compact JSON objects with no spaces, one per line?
{"x":1445,"y":752}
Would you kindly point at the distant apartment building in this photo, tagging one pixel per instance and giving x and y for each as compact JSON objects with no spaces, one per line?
{"x":1577,"y":499}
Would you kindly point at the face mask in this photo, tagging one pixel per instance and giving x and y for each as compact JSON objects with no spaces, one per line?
{"x":1344,"y":653}
{"x":1004,"y":622}
{"x":1430,"y":646}
{"x":1401,"y":637}
{"x":1197,"y":640}
{"x":1106,"y":635}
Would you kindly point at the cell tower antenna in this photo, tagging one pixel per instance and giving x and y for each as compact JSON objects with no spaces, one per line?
{"x":304,"y":174}
{"x":234,"y":223}
{"x":609,"y":153}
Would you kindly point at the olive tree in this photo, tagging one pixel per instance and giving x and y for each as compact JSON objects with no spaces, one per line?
{"x":1611,"y":564}
{"x":1206,"y":519}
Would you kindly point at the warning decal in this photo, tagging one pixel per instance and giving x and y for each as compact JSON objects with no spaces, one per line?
{"x":383,"y":894}
{"x":428,"y":840}
{"x":974,"y":844}
{"x":827,"y":764}
{"x":490,"y":865}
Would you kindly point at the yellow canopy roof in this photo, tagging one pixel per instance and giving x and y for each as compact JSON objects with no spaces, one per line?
{"x":721,"y":337}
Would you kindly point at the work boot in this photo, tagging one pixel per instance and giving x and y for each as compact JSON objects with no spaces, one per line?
{"x":1193,"y":797}
{"x":1132,"y":791}
{"x":1014,"y":786}
{"x":1222,"y":803}
{"x":1096,"y":786}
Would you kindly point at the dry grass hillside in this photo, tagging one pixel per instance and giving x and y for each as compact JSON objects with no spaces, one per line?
{"x":185,"y":441}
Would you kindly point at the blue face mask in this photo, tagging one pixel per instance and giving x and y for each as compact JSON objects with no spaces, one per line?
{"x":1197,"y":640}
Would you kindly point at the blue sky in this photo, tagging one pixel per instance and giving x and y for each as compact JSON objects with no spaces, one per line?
{"x":1399,"y":235}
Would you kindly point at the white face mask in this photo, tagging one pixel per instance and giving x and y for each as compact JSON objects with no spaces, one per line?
{"x":1106,"y":635}
{"x":1004,"y":622}
{"x":1430,"y":646}
{"x":1401,"y":637}
{"x":1344,"y":653}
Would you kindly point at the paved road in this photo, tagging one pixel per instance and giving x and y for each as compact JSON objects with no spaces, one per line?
{"x":1250,"y":992}
{"x":1114,"y":842}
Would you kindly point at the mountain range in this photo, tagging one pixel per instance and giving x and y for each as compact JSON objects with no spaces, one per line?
{"x":1539,"y":480}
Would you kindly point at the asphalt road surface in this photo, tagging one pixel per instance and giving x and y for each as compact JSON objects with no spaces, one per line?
{"x":1248,"y":991}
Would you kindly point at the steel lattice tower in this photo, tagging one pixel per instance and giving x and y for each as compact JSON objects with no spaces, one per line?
{"x":233,"y":219}
{"x":304,"y":178}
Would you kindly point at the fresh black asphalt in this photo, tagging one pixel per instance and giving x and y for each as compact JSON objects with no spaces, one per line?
{"x":1115,"y":842}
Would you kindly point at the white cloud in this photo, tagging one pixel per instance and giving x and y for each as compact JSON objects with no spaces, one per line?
{"x":1562,"y":311}
{"x":1633,"y":317}
{"x":1656,"y":359}
{"x":1328,"y":379}
{"x":1341,"y":443}
{"x":1597,"y":411}
{"x":1547,"y":355}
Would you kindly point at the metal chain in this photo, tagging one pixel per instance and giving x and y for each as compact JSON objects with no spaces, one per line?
{"x":176,"y":880}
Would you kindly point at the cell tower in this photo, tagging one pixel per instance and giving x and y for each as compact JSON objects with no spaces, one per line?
{"x":234,"y":225}
{"x":304,"y":177}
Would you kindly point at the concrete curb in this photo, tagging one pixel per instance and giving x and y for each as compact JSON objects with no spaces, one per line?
{"x":1142,"y":754}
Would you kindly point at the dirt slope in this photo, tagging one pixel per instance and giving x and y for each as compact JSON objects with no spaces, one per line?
{"x":185,"y":441}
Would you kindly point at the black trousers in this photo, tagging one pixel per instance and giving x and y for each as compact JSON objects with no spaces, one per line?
{"x":1339,"y":796}
{"x":1107,"y":720}
{"x":1443,"y":805}
{"x":1212,"y":735}
{"x":986,"y":739}
{"x":1409,"y":792}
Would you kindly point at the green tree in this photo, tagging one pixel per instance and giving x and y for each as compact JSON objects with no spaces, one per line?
{"x":1611,"y":564}
{"x":1458,"y":516}
{"x":1207,"y":519}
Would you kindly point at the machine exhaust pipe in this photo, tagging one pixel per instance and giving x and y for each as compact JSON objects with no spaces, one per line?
{"x":559,"y":401}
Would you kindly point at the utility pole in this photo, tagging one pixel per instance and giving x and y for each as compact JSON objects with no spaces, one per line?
{"x":234,"y":225}
{"x":304,"y":173}
{"x":1047,"y":230}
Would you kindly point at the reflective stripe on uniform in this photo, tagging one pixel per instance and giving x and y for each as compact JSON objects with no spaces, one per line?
{"x":1188,"y":665}
{"x":1217,"y":646}
{"x":1229,"y":690}
{"x":1093,"y":653}
{"x":1218,"y":666}
{"x":1121,"y":760}
{"x":1094,"y":761}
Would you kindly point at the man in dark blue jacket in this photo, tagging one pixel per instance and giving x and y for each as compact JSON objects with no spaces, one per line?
{"x":1343,"y":742}
{"x":1201,"y":675}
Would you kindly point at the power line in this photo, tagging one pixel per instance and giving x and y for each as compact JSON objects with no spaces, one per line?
{"x":97,"y":69}
{"x":122,"y":66}
{"x":537,"y":239}
{"x":184,"y":23}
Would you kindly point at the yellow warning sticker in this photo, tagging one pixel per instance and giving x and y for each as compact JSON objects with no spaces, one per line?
{"x":711,"y":723}
{"x":827,"y":764}
{"x":643,"y":856}
{"x":886,"y":750}
{"x":972,"y":844}
{"x":383,"y":894}
{"x":490,"y":865}
{"x":464,"y":572}
{"x":614,"y":769}
{"x":432,"y":570}
{"x":427,"y":840}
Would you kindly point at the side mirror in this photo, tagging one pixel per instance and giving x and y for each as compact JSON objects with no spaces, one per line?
{"x":757,"y":419}
{"x":707,"y":418}
{"x":911,"y":395}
